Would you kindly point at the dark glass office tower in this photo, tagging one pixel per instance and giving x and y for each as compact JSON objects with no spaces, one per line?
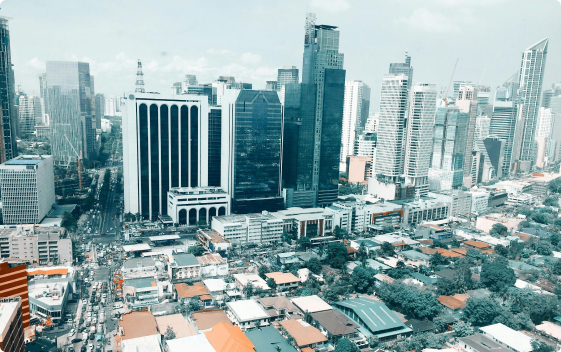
{"x":214,"y":146}
{"x":314,"y":118}
{"x":8,"y":145}
{"x":257,"y":142}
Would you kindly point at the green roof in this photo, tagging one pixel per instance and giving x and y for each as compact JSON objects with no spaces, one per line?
{"x":424,"y":278}
{"x":522,"y":266}
{"x":142,"y":282}
{"x":374,"y":315}
{"x":185,"y":259}
{"x":267,"y":339}
{"x":376,"y":265}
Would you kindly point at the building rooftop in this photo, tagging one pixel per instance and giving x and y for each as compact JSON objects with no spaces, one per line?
{"x":268,"y":339}
{"x":414,"y":255}
{"x":189,"y":191}
{"x":509,"y":337}
{"x":303,"y":333}
{"x":142,"y":282}
{"x":27,"y":160}
{"x":214,"y":285}
{"x":189,"y":291}
{"x":550,"y":329}
{"x":227,"y":338}
{"x":180,"y":326}
{"x":184,"y":259}
{"x":139,"y":263}
{"x":278,"y":303}
{"x":163,"y":238}
{"x":136,"y":247}
{"x":311,"y":304}
{"x":236,"y":218}
{"x":255,"y":280}
{"x":198,"y":343}
{"x":335,"y":322}
{"x":247,"y":310}
{"x":451,"y":302}
{"x":206,"y":319}
{"x":210,"y":259}
{"x":214,"y":236}
{"x":137,"y":324}
{"x":481,"y":343}
{"x":8,"y":310}
{"x":282,"y":278}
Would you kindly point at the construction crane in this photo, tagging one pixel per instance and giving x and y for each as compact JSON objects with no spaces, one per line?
{"x":79,"y":155}
{"x":450,"y":83}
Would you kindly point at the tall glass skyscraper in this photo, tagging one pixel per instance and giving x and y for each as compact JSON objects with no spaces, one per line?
{"x":355,"y":113}
{"x":530,"y":81}
{"x":316,"y":116}
{"x":69,"y":105}
{"x":503,"y":120}
{"x":8,"y":145}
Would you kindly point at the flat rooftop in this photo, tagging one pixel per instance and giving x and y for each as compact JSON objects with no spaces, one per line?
{"x":247,"y":310}
{"x":163,"y":238}
{"x":7,"y":311}
{"x":137,"y":247}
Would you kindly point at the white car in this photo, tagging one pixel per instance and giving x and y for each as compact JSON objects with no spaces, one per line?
{"x":90,"y":345}
{"x":84,"y":301}
{"x":94,"y":321}
{"x":72,"y":332}
{"x":89,"y":314}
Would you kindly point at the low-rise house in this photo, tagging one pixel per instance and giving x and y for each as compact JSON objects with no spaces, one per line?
{"x":213,"y":241}
{"x":414,"y":258}
{"x":137,"y":325}
{"x":375,"y":317}
{"x":508,"y":337}
{"x":336,"y":325}
{"x":177,"y":323}
{"x":303,"y":334}
{"x":186,"y":293}
{"x":287,"y":258}
{"x":418,"y":326}
{"x":551,"y":329}
{"x":242,"y":280}
{"x":184,"y":266}
{"x":311,"y":304}
{"x":369,"y":245}
{"x":399,"y":242}
{"x":227,"y":338}
{"x":217,"y":288}
{"x":212,"y":265}
{"x":268,"y":339}
{"x":278,"y":307}
{"x":380,"y":279}
{"x":144,"y":292}
{"x":197,"y":343}
{"x":426,"y":280}
{"x":284,"y":281}
{"x":141,"y":267}
{"x":476,"y":245}
{"x":247,"y":314}
{"x":452,"y":304}
{"x":205,"y":319}
{"x":480,"y":343}
{"x":521,"y":266}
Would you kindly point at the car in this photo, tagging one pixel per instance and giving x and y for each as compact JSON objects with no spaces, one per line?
{"x":89,"y":314}
{"x":84,"y":301}
{"x":84,"y":349}
{"x":90,"y":345}
{"x":72,"y":332}
{"x":76,"y":340}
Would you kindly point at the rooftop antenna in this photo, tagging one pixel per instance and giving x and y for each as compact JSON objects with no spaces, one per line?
{"x":139,"y":79}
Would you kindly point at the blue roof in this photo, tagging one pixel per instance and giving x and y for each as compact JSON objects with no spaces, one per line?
{"x":23,"y":162}
{"x":267,"y":339}
{"x":185,"y":259}
{"x":424,"y":278}
{"x":142,"y":282}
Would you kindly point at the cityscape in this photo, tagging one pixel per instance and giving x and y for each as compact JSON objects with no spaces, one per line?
{"x":331,"y":203}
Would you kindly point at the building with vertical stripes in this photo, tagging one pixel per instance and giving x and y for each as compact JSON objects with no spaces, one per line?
{"x":165,"y":145}
{"x":13,"y":283}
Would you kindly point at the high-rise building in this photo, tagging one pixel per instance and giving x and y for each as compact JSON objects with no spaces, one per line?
{"x":530,"y":81}
{"x":11,"y":325}
{"x":271,"y":85}
{"x":252,"y":150}
{"x":28,"y":188}
{"x":69,"y":106}
{"x":544,"y":142}
{"x":450,"y":134}
{"x":503,"y":121}
{"x":420,"y":131}
{"x":355,"y":113}
{"x":467,"y":103}
{"x":482,"y":126}
{"x":26,"y":115}
{"x":287,"y":75}
{"x":372,"y":122}
{"x":165,"y":145}
{"x":99,"y":109}
{"x":13,"y":283}
{"x":111,"y":105}
{"x":8,"y":147}
{"x":314,"y":123}
{"x":403,"y":68}
{"x":546,"y":98}
{"x":483,"y":96}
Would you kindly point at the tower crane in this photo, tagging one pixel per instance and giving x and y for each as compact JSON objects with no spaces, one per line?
{"x":450,"y":83}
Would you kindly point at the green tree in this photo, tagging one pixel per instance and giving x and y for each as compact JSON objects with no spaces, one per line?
{"x":263,"y":269}
{"x":538,"y":307}
{"x":556,"y":268}
{"x":271,"y":283}
{"x":338,"y":232}
{"x":170,"y":334}
{"x":540,"y":346}
{"x":388,"y":249}
{"x":314,"y":265}
{"x":446,"y":287}
{"x":551,"y":202}
{"x":462,"y":329}
{"x":544,"y":248}
{"x":438,"y":244}
{"x":388,"y":229}
{"x":362,"y":278}
{"x":554,"y":238}
{"x":197,"y":250}
{"x":337,"y":255}
{"x":524,"y":224}
{"x":501,"y":250}
{"x":345,"y":345}
{"x":481,"y":311}
{"x":304,"y":242}
{"x":496,"y":276}
{"x":555,"y":185}
{"x":498,"y":230}
{"x":411,"y":300}
{"x":438,"y":259}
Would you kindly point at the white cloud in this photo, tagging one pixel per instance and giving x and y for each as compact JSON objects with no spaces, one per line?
{"x":458,"y":3}
{"x":435,"y":22}
{"x":331,"y":5}
{"x":35,"y":63}
{"x":250,"y":58}
{"x":213,"y":51}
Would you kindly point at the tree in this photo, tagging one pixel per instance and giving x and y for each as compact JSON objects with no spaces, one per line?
{"x":463,"y":329}
{"x":305,"y":242}
{"x":501,"y":250}
{"x":555,"y":185}
{"x":248,"y":289}
{"x":496,"y":276}
{"x":437,"y":259}
{"x":438,"y":244}
{"x":362,"y":278}
{"x":314,"y":265}
{"x":540,"y":346}
{"x":481,"y":311}
{"x":411,"y":300}
{"x":524,"y":224}
{"x":197,"y":251}
{"x":446,"y":287}
{"x":551,"y":202}
{"x":338,"y":232}
{"x":388,"y":249}
{"x":538,"y":307}
{"x":337,"y":255}
{"x":556,"y":268}
{"x":271,"y":283}
{"x":388,"y":229}
{"x":170,"y":334}
{"x":554,"y":238}
{"x":498,"y":230}
{"x":194,"y":305}
{"x":544,"y":248}
{"x":263,"y":269}
{"x":362,"y":253}
{"x":345,"y":345}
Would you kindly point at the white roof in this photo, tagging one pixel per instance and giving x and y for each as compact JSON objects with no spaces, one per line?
{"x":311,"y":304}
{"x":254,"y":279}
{"x":393,"y":239}
{"x":214,"y":285}
{"x":7,"y":311}
{"x":163,"y":238}
{"x":197,"y":343}
{"x":509,"y":337}
{"x":247,"y":310}
{"x":136,"y":247}
{"x":148,"y":343}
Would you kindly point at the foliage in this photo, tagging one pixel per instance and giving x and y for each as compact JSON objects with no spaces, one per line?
{"x":337,"y":255}
{"x":462,"y":329}
{"x":524,"y":224}
{"x":330,"y":296}
{"x":540,"y":346}
{"x":554,"y":238}
{"x":314,"y":265}
{"x":305,"y":242}
{"x":556,"y":268}
{"x":271,"y":283}
{"x":538,"y":307}
{"x":514,"y":321}
{"x":438,"y":244}
{"x":388,"y":249}
{"x":346,"y":188}
{"x":362,"y":278}
{"x":345,"y":345}
{"x":197,"y":251}
{"x":263,"y":269}
{"x":437,"y":259}
{"x":388,"y":229}
{"x":498,"y":230}
{"x":398,"y":273}
{"x":481,"y":311}
{"x":496,"y":276}
{"x":170,"y":334}
{"x":194,"y":305}
{"x":339,"y":233}
{"x":544,"y":248}
{"x":446,"y":287}
{"x":420,"y":342}
{"x":501,"y":250}
{"x":555,"y":185}
{"x":551,"y":202}
{"x":411,"y":299}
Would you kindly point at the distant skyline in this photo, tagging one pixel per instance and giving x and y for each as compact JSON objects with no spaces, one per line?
{"x":252,"y":39}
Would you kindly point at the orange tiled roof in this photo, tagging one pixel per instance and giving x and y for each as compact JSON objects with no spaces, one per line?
{"x":303,"y":335}
{"x":449,"y":254}
{"x":523,"y":236}
{"x":55,"y":271}
{"x":488,"y":251}
{"x":461,"y":251}
{"x":451,"y":302}
{"x":282,"y":278}
{"x":227,"y":338}
{"x":477,"y":244}
{"x":428,"y":250}
{"x":196,"y":290}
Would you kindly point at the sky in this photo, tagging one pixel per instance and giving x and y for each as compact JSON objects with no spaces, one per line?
{"x":251,"y":39}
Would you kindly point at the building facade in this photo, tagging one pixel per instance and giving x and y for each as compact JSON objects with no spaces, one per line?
{"x":9,"y":148}
{"x":28,"y":189}
{"x":467,"y":103}
{"x":249,"y":228}
{"x":12,"y":336}
{"x":355,"y":113}
{"x":503,"y":121}
{"x":13,"y":283}
{"x":197,"y":205}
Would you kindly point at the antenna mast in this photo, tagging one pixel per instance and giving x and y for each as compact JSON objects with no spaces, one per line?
{"x":139,"y":79}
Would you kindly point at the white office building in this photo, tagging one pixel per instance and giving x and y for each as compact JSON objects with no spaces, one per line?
{"x":355,"y":113}
{"x":249,"y":228}
{"x":165,"y":145}
{"x":192,"y":205}
{"x":467,"y":103}
{"x":28,"y":188}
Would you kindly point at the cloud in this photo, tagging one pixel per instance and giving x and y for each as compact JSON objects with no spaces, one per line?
{"x":435,"y":22}
{"x":249,"y":58}
{"x":213,"y":51}
{"x":35,"y":63}
{"x":458,"y":3}
{"x":331,"y":5}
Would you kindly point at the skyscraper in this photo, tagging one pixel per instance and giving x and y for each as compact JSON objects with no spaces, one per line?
{"x":8,"y":145}
{"x":403,"y":68}
{"x":26,"y":115}
{"x":252,"y":153}
{"x":11,"y":325}
{"x":530,"y":81}
{"x":99,"y":109}
{"x":467,"y":103}
{"x":355,"y":113}
{"x":287,"y":75}
{"x":69,"y":106}
{"x":314,"y":122}
{"x":420,"y":131}
{"x":165,"y":145}
{"x":503,"y":121}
